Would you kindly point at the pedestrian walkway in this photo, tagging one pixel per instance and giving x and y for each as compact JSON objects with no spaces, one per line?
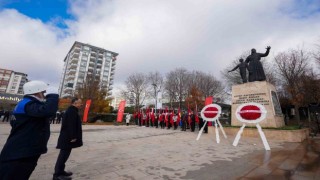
{"x":142,"y":153}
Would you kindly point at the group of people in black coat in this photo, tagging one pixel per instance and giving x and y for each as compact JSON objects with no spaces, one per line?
{"x":31,"y":131}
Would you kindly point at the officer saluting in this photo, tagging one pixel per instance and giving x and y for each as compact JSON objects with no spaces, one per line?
{"x":30,"y":132}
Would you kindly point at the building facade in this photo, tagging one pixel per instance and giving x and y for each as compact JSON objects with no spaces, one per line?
{"x":83,"y":60}
{"x":12,"y":82}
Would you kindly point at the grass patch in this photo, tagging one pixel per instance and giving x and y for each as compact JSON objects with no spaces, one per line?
{"x":295,"y":127}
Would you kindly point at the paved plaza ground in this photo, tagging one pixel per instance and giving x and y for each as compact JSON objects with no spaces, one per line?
{"x":142,"y":153}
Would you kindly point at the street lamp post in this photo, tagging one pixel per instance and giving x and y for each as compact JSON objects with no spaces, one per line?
{"x":155,"y":94}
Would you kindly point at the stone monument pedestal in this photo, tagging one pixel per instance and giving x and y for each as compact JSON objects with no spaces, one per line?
{"x":260,"y":92}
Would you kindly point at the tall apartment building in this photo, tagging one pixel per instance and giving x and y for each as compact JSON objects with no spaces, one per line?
{"x":12,"y":82}
{"x":83,"y":60}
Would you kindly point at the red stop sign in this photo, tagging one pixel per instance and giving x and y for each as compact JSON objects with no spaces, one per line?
{"x":210,"y":112}
{"x":250,"y":112}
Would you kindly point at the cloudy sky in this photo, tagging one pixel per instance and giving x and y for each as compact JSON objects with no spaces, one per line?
{"x":151,"y":35}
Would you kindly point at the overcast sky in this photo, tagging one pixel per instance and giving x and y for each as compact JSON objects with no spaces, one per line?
{"x":151,"y":35}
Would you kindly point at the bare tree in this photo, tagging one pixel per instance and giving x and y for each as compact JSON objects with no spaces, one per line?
{"x":136,"y":87}
{"x":156,"y":84}
{"x":176,"y":85}
{"x":311,"y":86}
{"x":207,"y":84}
{"x":291,"y":66}
{"x":316,"y":54}
{"x":92,"y":89}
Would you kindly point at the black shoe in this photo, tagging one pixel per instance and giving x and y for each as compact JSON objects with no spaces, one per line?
{"x":66,"y":173}
{"x":61,"y":177}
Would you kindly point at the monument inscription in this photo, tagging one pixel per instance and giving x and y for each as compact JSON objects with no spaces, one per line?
{"x":260,"y":98}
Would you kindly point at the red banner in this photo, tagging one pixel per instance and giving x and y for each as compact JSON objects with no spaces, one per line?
{"x":86,"y":111}
{"x":121,"y":111}
{"x":209,"y":100}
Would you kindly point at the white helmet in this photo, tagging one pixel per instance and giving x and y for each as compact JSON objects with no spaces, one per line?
{"x":33,"y":87}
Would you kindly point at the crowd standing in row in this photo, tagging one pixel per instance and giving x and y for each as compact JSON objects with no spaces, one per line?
{"x":169,"y":119}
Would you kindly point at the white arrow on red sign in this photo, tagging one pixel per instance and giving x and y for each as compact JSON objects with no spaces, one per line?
{"x":251,"y":113}
{"x":211,"y":112}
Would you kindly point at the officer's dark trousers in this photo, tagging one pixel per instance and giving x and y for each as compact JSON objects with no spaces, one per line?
{"x":19,"y":169}
{"x":61,"y":161}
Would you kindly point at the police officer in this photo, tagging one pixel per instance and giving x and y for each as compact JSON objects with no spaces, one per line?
{"x":30,"y":132}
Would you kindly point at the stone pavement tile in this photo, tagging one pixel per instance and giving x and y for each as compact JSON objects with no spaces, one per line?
{"x":106,"y":169}
{"x":105,"y":176}
{"x":270,"y":165}
{"x":281,"y":173}
{"x":258,"y":172}
{"x":84,"y":173}
{"x":289,"y":164}
{"x":279,"y":157}
{"x":317,"y":174}
{"x":298,"y":177}
{"x":133,"y":173}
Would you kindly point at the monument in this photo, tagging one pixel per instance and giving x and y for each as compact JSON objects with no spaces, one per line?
{"x":243,"y":66}
{"x":257,"y":90}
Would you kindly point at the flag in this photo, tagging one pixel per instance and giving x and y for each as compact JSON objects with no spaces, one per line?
{"x":209,"y":100}
{"x":121,"y":111}
{"x":86,"y":110}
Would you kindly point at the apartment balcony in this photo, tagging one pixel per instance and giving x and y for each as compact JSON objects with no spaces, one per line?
{"x":74,"y":60}
{"x":71,"y":72}
{"x":70,"y":78}
{"x":67,"y":90}
{"x":113,"y":63}
{"x":93,"y":54}
{"x":73,"y":65}
{"x":77,"y":49}
{"x":90,"y":67}
{"x":63,"y":95}
{"x":67,"y":82}
{"x":111,"y":83}
{"x":113,"y":68}
{"x":75,"y":55}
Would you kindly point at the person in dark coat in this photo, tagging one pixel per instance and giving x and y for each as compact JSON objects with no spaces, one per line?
{"x":6,"y":116}
{"x":70,"y":137}
{"x":30,"y":132}
{"x":201,"y":123}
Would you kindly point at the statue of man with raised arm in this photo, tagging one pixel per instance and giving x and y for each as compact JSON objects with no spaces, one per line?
{"x":256,"y":72}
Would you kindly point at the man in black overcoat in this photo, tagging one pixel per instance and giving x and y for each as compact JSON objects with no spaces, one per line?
{"x":70,"y":137}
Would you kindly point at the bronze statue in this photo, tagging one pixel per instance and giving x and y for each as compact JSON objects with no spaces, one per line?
{"x":243,"y":70}
{"x":256,"y":72}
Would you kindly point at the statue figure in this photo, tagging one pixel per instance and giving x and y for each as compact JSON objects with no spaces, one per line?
{"x":256,"y":72}
{"x":243,"y":70}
